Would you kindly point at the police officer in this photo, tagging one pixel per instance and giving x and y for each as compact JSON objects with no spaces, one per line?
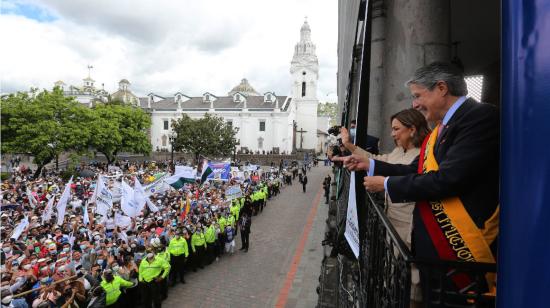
{"x":111,"y":284}
{"x":178,"y":253}
{"x":163,"y":254}
{"x":152,"y":271}
{"x":198,"y":245}
{"x":210,"y":238}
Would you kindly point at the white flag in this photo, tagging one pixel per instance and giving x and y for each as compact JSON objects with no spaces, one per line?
{"x":122,"y":221}
{"x":139,"y":195}
{"x":62,"y":203}
{"x":127,"y":202}
{"x":123,"y":236}
{"x":86,"y":216}
{"x":47,"y":215}
{"x":32,"y":199}
{"x":152,"y":206}
{"x":20,"y":228}
{"x":103,"y":197}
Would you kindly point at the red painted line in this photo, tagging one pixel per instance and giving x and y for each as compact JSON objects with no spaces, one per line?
{"x":283,"y":294}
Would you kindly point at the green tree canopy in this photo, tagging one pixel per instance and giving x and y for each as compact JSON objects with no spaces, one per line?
{"x":209,"y":136}
{"x":44,"y":125}
{"x":119,"y":128}
{"x":328,"y":109}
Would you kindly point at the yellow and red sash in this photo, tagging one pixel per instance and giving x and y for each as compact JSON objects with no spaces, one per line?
{"x":450,"y":227}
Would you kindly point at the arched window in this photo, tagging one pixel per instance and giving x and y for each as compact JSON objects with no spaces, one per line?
{"x":303,"y":89}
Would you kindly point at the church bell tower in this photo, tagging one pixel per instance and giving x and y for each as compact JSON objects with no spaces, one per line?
{"x":304,"y":69}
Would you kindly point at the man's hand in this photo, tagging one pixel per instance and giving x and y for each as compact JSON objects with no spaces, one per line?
{"x":374,"y":183}
{"x":158,"y":279}
{"x":354,"y":162}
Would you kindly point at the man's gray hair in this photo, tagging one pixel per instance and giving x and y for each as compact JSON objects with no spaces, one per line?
{"x":428,"y":76}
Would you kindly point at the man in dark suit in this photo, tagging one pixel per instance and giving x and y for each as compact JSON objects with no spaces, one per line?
{"x":465,"y":151}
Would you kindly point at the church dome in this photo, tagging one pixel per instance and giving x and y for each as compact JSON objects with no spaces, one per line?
{"x":245,"y":88}
{"x":124,"y":81}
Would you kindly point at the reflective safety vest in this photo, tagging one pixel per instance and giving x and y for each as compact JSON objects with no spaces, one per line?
{"x":235,"y":211}
{"x":165,"y":255}
{"x":149,"y":271}
{"x":222,"y":222}
{"x":177,"y":247}
{"x":112,"y":289}
{"x":210,"y":235}
{"x":197,"y":240}
{"x":231,"y":221}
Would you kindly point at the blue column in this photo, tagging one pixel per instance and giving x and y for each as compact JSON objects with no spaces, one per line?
{"x":524,"y":241}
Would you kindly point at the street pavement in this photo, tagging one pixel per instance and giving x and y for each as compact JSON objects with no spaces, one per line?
{"x":282,"y":266}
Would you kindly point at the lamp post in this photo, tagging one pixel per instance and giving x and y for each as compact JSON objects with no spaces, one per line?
{"x":235,"y":150}
{"x":172,"y":139}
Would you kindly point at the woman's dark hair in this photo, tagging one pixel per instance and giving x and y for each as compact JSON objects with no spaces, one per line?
{"x":413,"y":118}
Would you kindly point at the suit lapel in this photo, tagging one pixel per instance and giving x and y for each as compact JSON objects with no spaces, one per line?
{"x":441,"y":140}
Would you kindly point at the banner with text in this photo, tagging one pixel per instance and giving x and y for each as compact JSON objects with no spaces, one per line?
{"x":352,"y":225}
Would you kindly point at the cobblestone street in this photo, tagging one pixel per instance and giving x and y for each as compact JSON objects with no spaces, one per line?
{"x":283,"y":264}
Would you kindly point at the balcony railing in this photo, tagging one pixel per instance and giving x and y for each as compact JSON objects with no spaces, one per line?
{"x":387,"y":270}
{"x":382,"y":275}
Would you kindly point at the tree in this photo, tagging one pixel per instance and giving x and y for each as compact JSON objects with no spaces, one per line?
{"x":44,"y":125}
{"x":208,"y":136}
{"x":328,"y":109}
{"x":119,"y":128}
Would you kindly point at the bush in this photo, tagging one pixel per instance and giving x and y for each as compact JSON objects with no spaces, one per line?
{"x":4,"y":176}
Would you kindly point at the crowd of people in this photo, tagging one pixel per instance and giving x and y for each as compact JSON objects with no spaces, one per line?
{"x":86,"y":259}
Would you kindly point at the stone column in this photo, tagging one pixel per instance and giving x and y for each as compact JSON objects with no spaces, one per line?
{"x":417,"y":33}
{"x":378,"y":38}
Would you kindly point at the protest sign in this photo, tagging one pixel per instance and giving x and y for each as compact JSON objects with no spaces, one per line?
{"x":221,"y":171}
{"x":233,"y":192}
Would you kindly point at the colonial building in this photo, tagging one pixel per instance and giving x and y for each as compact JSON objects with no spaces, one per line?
{"x":265,"y":120}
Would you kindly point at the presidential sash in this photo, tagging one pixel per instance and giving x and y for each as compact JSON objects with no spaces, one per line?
{"x":451,"y":229}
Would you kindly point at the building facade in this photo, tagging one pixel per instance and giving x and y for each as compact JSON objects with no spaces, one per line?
{"x":266,"y":122}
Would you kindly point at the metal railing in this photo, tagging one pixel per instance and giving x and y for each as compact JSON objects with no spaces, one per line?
{"x":382,"y":275}
{"x":387,"y":271}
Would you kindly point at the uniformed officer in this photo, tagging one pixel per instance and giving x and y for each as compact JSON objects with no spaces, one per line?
{"x":163,"y":254}
{"x":222,"y":222}
{"x":111,"y":284}
{"x":198,"y":245}
{"x":210,"y":238}
{"x":178,"y":253}
{"x":152,"y":271}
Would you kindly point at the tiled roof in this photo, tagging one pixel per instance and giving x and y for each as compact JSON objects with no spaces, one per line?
{"x":222,"y":102}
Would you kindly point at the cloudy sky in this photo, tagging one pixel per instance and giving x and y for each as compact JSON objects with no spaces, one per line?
{"x":164,"y":46}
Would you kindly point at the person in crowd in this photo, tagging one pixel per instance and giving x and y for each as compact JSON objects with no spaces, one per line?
{"x":245,"y":223}
{"x":304,"y":183}
{"x":455,"y":179}
{"x":229,"y":239}
{"x":326,"y":187}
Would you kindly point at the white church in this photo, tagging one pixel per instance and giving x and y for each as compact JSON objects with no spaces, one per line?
{"x":265,"y":121}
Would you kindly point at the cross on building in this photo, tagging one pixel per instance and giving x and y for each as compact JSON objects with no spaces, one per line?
{"x":301,"y":131}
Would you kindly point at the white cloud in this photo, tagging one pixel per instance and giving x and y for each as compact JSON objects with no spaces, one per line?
{"x":165,"y":46}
